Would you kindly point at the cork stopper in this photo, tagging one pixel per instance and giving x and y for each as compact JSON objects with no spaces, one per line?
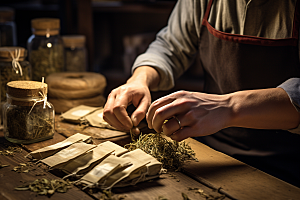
{"x":25,"y":89}
{"x":72,"y":41}
{"x":6,"y":14}
{"x":5,"y":53}
{"x":43,"y":26}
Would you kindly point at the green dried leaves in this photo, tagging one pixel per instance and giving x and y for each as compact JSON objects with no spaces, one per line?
{"x":46,"y":187}
{"x":10,"y":151}
{"x":170,"y":153}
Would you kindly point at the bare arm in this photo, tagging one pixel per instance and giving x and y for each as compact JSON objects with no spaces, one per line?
{"x":263,"y":109}
{"x":203,"y":114}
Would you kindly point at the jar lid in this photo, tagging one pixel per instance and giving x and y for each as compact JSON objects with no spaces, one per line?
{"x":45,"y":23}
{"x":6,"y":14}
{"x":24,"y":89}
{"x":6,"y":53}
{"x":73,"y":40}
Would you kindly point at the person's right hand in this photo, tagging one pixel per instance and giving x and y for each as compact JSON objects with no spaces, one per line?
{"x":136,"y":91}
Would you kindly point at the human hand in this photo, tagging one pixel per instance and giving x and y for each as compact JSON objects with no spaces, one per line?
{"x":115,"y":108}
{"x":199,"y":114}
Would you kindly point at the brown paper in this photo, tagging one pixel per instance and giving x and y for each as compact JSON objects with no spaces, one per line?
{"x":86,"y":162}
{"x":77,"y":114}
{"x":105,"y":169}
{"x":67,"y":154}
{"x":136,"y":169}
{"x":52,"y":149}
{"x":96,"y":119}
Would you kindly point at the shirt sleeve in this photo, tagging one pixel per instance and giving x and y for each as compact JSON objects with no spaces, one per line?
{"x":176,"y":45}
{"x":292,"y":88}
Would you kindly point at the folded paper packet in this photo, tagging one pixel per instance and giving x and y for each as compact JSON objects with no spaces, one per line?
{"x":137,"y":166}
{"x":110,"y":165}
{"x":152,"y":170}
{"x":77,"y":114}
{"x":68,"y":154}
{"x":96,"y":119}
{"x":52,"y":149}
{"x":81,"y":165}
{"x":118,"y":150}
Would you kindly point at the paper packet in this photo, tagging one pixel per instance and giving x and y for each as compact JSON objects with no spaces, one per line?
{"x":52,"y":149}
{"x":67,"y":154}
{"x":77,"y":114}
{"x":81,"y":165}
{"x":110,"y":165}
{"x":135,"y":169}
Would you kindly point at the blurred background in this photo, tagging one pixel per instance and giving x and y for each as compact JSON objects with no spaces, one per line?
{"x":115,"y":31}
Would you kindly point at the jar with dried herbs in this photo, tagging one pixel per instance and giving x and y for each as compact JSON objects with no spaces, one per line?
{"x":27,"y":115}
{"x":13,"y":67}
{"x":45,"y":47}
{"x":75,"y":53}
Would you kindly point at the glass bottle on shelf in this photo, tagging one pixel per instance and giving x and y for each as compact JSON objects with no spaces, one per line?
{"x":27,"y":115}
{"x":8,"y":35}
{"x":75,"y":53}
{"x":45,"y":47}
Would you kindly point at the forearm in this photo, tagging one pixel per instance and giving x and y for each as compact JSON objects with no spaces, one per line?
{"x":262,"y":109}
{"x":145,"y":75}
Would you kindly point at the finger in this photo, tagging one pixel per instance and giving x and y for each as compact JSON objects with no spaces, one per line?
{"x":140,"y":111}
{"x":172,"y":125}
{"x":166,"y":112}
{"x":135,"y":130}
{"x":120,"y":111}
{"x":110,"y":111}
{"x":156,"y":105}
{"x":181,"y":134}
{"x":108,"y":114}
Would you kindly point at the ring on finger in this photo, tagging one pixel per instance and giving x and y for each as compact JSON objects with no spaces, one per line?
{"x":179,"y":123}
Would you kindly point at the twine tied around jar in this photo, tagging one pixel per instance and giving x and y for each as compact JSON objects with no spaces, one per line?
{"x":15,"y":61}
{"x":35,"y":100}
{"x":44,"y":98}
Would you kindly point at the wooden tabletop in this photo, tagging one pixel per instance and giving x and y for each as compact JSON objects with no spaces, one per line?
{"x":215,"y":174}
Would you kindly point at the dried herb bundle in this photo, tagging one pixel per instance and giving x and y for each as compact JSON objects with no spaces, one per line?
{"x":170,"y":153}
{"x":46,"y":187}
{"x":24,"y":126}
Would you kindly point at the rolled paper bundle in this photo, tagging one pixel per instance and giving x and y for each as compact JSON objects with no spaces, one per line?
{"x":75,"y":85}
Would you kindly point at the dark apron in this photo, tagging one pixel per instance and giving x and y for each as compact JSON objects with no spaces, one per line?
{"x":234,"y":62}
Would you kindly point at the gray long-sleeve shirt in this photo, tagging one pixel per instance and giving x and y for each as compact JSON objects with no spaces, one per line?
{"x":176,"y":45}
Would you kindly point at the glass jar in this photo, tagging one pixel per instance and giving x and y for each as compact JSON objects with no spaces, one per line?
{"x":75,"y":53}
{"x":8,"y":35}
{"x":13,"y":67}
{"x":27,"y":115}
{"x":45,"y":47}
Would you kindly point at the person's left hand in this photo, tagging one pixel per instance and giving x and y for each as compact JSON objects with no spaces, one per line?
{"x":198,"y":114}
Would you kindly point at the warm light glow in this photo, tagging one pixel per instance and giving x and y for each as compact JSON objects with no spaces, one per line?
{"x":49,"y":45}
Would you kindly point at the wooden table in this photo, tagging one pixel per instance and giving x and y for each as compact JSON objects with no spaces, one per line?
{"x":215,"y":174}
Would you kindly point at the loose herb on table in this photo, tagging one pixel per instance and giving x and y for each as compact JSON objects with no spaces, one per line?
{"x":10,"y":151}
{"x":46,"y":187}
